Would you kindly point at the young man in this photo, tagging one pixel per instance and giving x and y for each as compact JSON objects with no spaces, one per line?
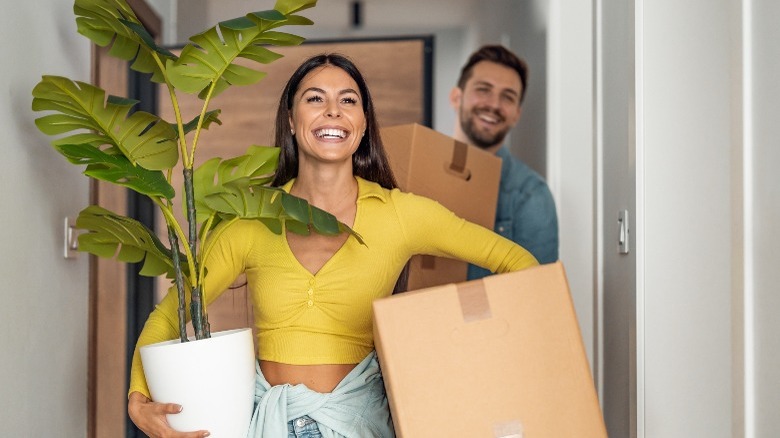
{"x":487,"y":101}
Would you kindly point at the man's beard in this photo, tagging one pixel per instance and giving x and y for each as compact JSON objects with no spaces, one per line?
{"x":483,"y":140}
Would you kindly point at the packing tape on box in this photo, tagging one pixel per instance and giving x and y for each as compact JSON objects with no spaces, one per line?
{"x":474,"y":302}
{"x":427,"y":261}
{"x":509,"y":429}
{"x":458,"y":163}
{"x":459,"y":155}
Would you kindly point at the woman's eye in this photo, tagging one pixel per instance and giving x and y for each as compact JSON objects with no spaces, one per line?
{"x":311,"y":99}
{"x":349,"y":100}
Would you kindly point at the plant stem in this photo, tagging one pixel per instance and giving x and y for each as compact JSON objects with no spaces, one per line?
{"x":200,"y":319}
{"x":176,"y":111}
{"x":199,"y":128}
{"x":179,"y":283}
{"x":197,"y":309}
{"x":170,"y":219}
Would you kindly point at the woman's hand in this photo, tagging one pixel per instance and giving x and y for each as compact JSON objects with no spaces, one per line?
{"x":150,"y":417}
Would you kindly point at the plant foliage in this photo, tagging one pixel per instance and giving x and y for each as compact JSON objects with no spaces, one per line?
{"x":139,"y":150}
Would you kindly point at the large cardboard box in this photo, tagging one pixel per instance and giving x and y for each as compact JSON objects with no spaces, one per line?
{"x":497,"y":357}
{"x":461,"y":177}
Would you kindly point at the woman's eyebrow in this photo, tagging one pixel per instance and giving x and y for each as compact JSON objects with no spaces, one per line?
{"x":315,"y":89}
{"x":320,"y":90}
{"x":348,"y":90}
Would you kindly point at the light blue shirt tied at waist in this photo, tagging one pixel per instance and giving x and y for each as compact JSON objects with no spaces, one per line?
{"x":357,"y":407}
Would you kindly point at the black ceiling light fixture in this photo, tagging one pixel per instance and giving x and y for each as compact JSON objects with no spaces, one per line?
{"x":357,"y":14}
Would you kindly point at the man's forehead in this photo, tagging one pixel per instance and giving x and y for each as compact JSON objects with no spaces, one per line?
{"x":495,"y":75}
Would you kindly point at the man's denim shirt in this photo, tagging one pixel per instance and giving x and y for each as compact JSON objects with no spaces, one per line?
{"x":525,"y":213}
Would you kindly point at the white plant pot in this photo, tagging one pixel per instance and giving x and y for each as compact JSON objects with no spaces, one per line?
{"x":212,"y":379}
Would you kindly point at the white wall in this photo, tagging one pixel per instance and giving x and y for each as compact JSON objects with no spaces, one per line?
{"x":765,"y":226}
{"x":684,"y":189}
{"x":168,"y":11}
{"x":522,"y":26}
{"x":571,"y":150}
{"x":43,"y":318}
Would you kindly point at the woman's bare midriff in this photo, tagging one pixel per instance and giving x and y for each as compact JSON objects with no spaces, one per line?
{"x":320,"y":378}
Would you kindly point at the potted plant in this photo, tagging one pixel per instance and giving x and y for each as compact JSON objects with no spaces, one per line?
{"x":139,"y":150}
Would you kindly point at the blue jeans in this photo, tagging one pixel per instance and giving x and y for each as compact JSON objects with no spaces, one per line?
{"x":303,"y":427}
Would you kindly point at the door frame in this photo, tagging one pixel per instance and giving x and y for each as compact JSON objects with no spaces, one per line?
{"x":107,"y":362}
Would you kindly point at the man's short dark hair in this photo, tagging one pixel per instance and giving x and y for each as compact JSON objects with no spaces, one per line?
{"x":499,"y":55}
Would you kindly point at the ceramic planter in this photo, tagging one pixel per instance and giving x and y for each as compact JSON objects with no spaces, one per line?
{"x":212,"y":379}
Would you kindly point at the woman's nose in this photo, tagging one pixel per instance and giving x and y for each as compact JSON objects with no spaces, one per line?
{"x":333,"y":110}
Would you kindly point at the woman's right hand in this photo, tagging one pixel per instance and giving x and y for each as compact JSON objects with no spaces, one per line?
{"x":150,"y":417}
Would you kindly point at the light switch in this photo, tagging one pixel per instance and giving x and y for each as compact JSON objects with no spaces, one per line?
{"x":71,"y":243}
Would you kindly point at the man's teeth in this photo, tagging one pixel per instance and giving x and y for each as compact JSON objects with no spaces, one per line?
{"x":331,"y":133}
{"x":488,"y":118}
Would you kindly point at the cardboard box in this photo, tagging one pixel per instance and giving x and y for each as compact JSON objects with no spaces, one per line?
{"x":497,"y":357}
{"x":461,"y":177}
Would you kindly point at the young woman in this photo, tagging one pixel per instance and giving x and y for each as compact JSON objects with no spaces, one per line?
{"x":318,"y":373}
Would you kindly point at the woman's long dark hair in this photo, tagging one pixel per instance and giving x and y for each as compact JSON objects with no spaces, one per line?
{"x":369,"y":160}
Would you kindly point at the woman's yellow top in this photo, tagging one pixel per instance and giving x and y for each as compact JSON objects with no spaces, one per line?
{"x":325,"y":318}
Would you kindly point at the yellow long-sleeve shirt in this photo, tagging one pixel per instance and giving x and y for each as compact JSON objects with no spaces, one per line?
{"x":325,"y":318}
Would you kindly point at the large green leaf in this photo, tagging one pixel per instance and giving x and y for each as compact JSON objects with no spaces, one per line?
{"x":210,"y":59}
{"x":288,"y":7}
{"x":265,"y":20}
{"x":301,"y":217}
{"x":237,"y":188}
{"x":110,"y":235}
{"x":113,"y":22}
{"x":274,"y":207}
{"x":116,"y":169}
{"x":255,"y":168}
{"x":143,"y":138}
